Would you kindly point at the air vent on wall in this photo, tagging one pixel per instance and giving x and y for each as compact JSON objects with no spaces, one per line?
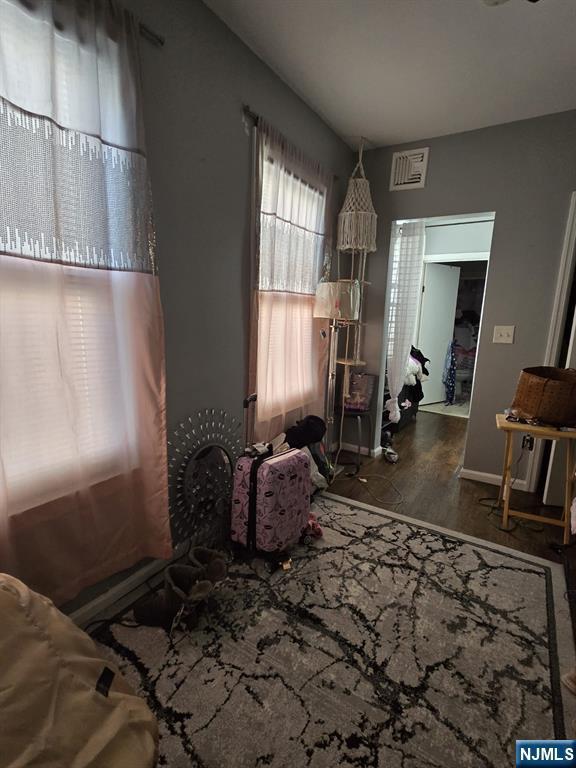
{"x":409,"y":169}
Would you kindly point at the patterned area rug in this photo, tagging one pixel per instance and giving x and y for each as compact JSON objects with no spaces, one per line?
{"x":388,"y":644}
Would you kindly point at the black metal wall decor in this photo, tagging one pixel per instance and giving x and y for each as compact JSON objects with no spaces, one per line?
{"x":202,"y":454}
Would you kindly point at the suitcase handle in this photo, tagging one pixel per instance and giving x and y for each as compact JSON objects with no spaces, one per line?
{"x":249,"y":432}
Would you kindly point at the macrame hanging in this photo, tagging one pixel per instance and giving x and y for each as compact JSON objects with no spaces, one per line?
{"x":357,"y":219}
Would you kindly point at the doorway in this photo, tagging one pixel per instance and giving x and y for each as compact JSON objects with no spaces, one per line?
{"x":443,"y":359}
{"x":449,"y":324}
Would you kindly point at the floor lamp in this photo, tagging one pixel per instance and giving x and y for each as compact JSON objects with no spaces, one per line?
{"x":342,"y":301}
{"x":338,"y":302}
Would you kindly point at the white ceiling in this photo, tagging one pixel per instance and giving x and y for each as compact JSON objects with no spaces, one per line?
{"x":400,"y":70}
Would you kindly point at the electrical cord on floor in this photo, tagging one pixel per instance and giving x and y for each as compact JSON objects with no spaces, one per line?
{"x":530,"y":525}
{"x":364,"y":480}
{"x":496,"y":511}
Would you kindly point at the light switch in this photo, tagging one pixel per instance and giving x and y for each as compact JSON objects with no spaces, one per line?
{"x":503,"y":334}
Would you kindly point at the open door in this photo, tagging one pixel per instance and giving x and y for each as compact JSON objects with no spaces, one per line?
{"x":436,"y":326}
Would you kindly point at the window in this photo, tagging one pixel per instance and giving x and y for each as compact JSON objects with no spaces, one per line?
{"x":63,"y":349}
{"x":290,"y":262}
{"x":291,"y":232}
{"x":83,"y":481}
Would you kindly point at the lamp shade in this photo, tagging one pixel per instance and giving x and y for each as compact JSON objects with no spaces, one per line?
{"x":338,"y":301}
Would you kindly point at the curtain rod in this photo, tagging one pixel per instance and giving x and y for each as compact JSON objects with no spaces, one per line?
{"x":249,"y":114}
{"x":256,"y":117}
{"x":150,"y":35}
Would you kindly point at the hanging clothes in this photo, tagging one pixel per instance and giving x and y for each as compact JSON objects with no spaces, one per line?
{"x":449,"y":375}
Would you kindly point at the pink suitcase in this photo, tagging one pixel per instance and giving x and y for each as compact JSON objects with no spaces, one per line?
{"x":271,"y":501}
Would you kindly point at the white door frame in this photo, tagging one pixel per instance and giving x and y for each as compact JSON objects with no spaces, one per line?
{"x":557,"y":323}
{"x":445,"y":258}
{"x":428,"y":258}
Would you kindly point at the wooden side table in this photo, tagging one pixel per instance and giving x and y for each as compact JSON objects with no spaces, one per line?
{"x":539,"y":433}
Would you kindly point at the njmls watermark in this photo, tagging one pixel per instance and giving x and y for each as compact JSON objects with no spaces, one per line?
{"x":545,"y":753}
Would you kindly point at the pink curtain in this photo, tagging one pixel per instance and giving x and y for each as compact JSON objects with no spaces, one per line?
{"x":83,"y":470}
{"x":292,"y":361}
{"x":289,"y":347}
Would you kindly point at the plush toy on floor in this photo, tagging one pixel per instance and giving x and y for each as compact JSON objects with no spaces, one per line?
{"x":312,"y":531}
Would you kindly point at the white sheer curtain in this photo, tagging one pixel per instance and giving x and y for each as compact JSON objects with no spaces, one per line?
{"x":405,"y":283}
{"x":83,"y":477}
{"x":291,"y":352}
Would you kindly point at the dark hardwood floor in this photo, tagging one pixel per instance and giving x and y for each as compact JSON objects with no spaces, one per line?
{"x":431,"y":452}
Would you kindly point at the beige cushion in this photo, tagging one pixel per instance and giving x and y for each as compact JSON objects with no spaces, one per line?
{"x":51,"y":713}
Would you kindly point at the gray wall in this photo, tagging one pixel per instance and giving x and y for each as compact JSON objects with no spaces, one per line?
{"x":199,"y":159}
{"x":525,"y":172}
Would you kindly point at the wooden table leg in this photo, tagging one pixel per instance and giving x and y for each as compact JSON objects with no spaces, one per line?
{"x":568,"y":489}
{"x":506,"y":479}
{"x":506,"y":449}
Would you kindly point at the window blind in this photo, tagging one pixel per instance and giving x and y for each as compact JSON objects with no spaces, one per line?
{"x":64,"y":402}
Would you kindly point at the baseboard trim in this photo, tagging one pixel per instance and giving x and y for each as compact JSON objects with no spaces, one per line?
{"x":375,"y":452}
{"x":120,"y":596}
{"x":124,"y":594}
{"x":491,"y":479}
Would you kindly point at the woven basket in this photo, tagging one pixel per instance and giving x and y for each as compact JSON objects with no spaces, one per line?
{"x":546,"y":395}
